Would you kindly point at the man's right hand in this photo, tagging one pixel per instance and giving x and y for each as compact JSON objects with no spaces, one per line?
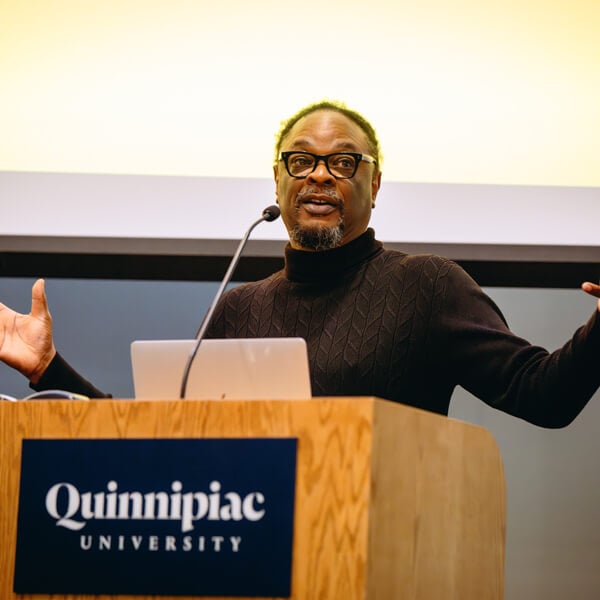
{"x":26,"y":342}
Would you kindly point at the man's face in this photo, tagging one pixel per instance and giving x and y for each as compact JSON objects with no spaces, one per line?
{"x":321,"y":207}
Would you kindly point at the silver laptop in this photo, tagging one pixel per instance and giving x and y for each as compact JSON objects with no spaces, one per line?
{"x":237,"y":369}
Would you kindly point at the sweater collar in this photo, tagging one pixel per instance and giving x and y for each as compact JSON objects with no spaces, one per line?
{"x":314,"y":267}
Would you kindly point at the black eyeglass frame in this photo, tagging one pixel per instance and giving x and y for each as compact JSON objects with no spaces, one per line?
{"x":357,"y":156}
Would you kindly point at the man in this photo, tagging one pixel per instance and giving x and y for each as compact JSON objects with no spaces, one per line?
{"x":377,"y":322}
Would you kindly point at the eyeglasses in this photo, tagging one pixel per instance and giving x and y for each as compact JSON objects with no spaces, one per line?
{"x":342,"y":165}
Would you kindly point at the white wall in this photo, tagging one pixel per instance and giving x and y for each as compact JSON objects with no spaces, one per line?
{"x":495,"y":92}
{"x":502,"y":96}
{"x":162,"y":207}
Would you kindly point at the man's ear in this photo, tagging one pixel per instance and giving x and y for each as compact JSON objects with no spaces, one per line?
{"x":375,"y":185}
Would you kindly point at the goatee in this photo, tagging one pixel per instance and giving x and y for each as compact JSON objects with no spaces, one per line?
{"x":317,"y":238}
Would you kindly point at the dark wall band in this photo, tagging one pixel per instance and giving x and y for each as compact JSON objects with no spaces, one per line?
{"x":535,"y":267}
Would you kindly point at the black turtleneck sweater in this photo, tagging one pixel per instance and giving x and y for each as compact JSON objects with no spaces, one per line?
{"x":407,"y":328}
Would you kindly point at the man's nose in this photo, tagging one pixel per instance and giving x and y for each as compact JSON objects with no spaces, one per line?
{"x":321,"y":174}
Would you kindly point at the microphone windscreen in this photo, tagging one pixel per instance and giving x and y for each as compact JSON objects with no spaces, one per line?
{"x":271,"y":212}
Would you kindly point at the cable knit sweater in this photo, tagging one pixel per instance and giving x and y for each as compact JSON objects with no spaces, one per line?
{"x":407,"y":328}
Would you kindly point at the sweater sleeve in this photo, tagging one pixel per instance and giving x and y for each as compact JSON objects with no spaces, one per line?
{"x":506,"y":371}
{"x":60,"y":375}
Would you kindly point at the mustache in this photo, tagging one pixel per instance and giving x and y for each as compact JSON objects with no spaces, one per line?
{"x":305,"y":193}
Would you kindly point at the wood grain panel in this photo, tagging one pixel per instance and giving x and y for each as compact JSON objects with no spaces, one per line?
{"x":390,"y":502}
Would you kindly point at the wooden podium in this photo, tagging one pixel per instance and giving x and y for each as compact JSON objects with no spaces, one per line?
{"x":391,"y":502}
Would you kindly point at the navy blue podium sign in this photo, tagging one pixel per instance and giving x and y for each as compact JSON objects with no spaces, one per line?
{"x":209,"y":517}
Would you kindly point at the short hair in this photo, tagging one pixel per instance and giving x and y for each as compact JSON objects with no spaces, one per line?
{"x":368,"y":129}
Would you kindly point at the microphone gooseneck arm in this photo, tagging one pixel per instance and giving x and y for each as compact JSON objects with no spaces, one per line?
{"x":269,"y":214}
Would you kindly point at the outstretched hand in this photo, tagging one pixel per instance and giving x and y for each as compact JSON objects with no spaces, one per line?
{"x":592,"y":289}
{"x":26,"y":342}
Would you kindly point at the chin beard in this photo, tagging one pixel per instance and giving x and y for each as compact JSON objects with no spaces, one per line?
{"x":317,"y":238}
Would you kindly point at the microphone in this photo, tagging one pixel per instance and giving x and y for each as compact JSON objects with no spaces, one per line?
{"x":268,"y":214}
